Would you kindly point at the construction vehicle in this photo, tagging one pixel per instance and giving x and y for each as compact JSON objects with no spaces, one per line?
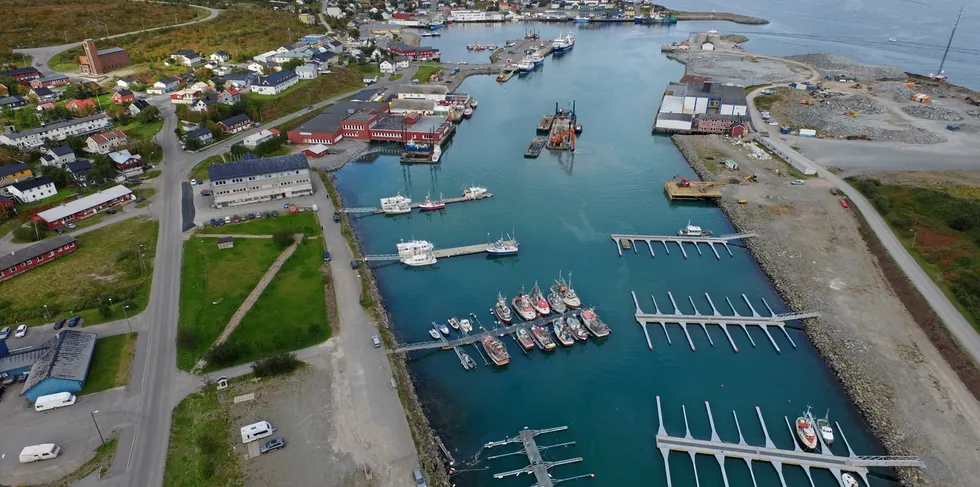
{"x":973,"y":101}
{"x":751,"y":177}
{"x":684,"y":183}
{"x":806,"y":102}
{"x":557,"y":139}
{"x":851,"y":114}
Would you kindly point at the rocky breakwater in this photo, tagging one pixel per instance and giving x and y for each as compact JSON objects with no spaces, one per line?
{"x":736,"y":18}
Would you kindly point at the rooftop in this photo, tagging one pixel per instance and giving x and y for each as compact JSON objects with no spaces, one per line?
{"x":11,"y":169}
{"x":397,"y":122}
{"x":237,"y":119}
{"x":365,"y":95}
{"x":329,"y":119}
{"x":53,"y":126}
{"x":110,"y":50}
{"x":423,"y":89}
{"x":42,"y":247}
{"x":79,"y":166}
{"x":255,"y":167}
{"x":68,"y":355}
{"x":729,"y":94}
{"x":61,"y":150}
{"x":276,"y":78}
{"x":413,"y":105}
{"x":81,"y":204}
{"x":31,"y":184}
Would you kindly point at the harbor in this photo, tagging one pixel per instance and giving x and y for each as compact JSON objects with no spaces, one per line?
{"x":404,"y":205}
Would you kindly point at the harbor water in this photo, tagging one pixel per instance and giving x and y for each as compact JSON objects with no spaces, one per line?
{"x":562,"y":207}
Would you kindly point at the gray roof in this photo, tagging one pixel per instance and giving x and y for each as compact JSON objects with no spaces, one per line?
{"x":729,"y":94}
{"x":199,"y":132}
{"x":234,"y":120}
{"x":8,"y":169}
{"x":74,"y":121}
{"x":365,"y":95}
{"x":255,"y":167}
{"x":61,"y":150}
{"x":68,"y":356}
{"x":168,"y":80}
{"x":42,"y":91}
{"x":684,"y":117}
{"x":141,"y":104}
{"x":10,"y":100}
{"x":44,"y":246}
{"x":20,"y":360}
{"x":329,"y":119}
{"x":423,"y":89}
{"x":110,"y":50}
{"x":31,"y":184}
{"x":276,"y":78}
{"x":53,"y":78}
{"x":80,"y":166}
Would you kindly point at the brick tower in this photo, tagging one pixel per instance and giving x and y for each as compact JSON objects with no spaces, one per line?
{"x":92,"y":56}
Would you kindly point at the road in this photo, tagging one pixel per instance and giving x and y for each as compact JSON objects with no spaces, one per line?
{"x":42,"y":55}
{"x":960,"y":328}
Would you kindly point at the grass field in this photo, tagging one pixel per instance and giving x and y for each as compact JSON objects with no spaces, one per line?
{"x":296,"y":98}
{"x":426,"y":71}
{"x":200,"y":171}
{"x":396,"y":77}
{"x":765,"y":102}
{"x":106,"y":265}
{"x":137,"y":130}
{"x":199,"y":452}
{"x":290,"y":314}
{"x":209,"y":276}
{"x":110,"y":363}
{"x":37,"y":23}
{"x":305,"y":223}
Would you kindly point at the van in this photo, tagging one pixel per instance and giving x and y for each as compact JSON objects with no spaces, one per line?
{"x":257,"y":431}
{"x":52,"y":401}
{"x":36,"y":453}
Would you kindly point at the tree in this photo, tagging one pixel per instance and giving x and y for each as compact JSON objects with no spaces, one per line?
{"x":192,"y":143}
{"x":10,"y":82}
{"x":26,"y":119}
{"x":149,"y":114}
{"x":102,"y":168}
{"x":77,"y":143}
{"x":276,"y":365}
{"x":59,"y":175}
{"x":282,"y":238}
{"x":292,"y":65}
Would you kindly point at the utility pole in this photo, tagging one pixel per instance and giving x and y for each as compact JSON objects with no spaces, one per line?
{"x":142,"y":266}
{"x":97,"y":427}
{"x":127,"y":319}
{"x":66,"y":37}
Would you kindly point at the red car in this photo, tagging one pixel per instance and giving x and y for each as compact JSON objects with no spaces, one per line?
{"x":844,"y":203}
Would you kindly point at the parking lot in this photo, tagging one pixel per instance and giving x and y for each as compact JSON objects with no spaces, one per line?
{"x":204,"y":212}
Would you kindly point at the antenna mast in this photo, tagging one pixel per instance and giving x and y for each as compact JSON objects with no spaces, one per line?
{"x":950,"y":43}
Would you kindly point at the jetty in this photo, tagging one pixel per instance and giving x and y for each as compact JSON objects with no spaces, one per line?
{"x":692,"y":190}
{"x":777,"y":457}
{"x":476,"y":337}
{"x":437,"y":253}
{"x":538,"y":466}
{"x":534,"y":150}
{"x":628,"y":241}
{"x":716,"y":318}
{"x":448,"y":201}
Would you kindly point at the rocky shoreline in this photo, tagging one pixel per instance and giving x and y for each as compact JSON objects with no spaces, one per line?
{"x":834,"y":342}
{"x":736,"y":18}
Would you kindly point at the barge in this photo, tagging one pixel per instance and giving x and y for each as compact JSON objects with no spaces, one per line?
{"x":534,"y":150}
{"x":544,"y":126}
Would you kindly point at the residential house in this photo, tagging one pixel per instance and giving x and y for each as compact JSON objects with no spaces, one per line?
{"x":314,"y":39}
{"x":165,"y":85}
{"x":6,"y":204}
{"x":264,"y":57}
{"x":402,"y":62}
{"x":127,"y":164}
{"x":262,"y":136}
{"x":24,"y":75}
{"x":33,"y":190}
{"x":202,"y":134}
{"x":285,"y":57}
{"x":45,"y":106}
{"x":229,"y":96}
{"x":275,"y":83}
{"x":123,"y":96}
{"x":186,"y":96}
{"x":307,"y":71}
{"x":325,"y":59}
{"x":79,"y":170}
{"x":137,"y":107}
{"x":30,"y":139}
{"x":58,"y":156}
{"x":43,"y":95}
{"x":207,"y":99}
{"x":307,"y":18}
{"x":335,"y":46}
{"x":235,"y":124}
{"x":334,"y":12}
{"x":220,"y":57}
{"x":13,"y":102}
{"x":85,"y":206}
{"x":201,"y":86}
{"x":256,"y":67}
{"x":48,"y":82}
{"x":76,"y":105}
{"x":105,"y":142}
{"x":4,"y":91}
{"x":187,"y":57}
{"x":187,"y":78}
{"x":12,"y":173}
{"x":126,"y":83}
{"x":386,"y":67}
{"x":240,"y":82}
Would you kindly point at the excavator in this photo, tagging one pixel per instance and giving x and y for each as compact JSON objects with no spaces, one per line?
{"x":751,"y":177}
{"x":556,"y":139}
{"x":684,"y":183}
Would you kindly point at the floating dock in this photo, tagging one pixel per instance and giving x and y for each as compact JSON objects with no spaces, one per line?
{"x":437,"y":253}
{"x":534,"y":150}
{"x":716,"y":318}
{"x":411,"y":157}
{"x":693,"y":191}
{"x":476,"y":337}
{"x":378,"y":211}
{"x":824,"y":459}
{"x":628,"y":241}
{"x":544,"y":125}
{"x":539,"y":467}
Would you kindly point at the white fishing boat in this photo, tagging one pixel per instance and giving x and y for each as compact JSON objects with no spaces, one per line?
{"x":892,"y":39}
{"x":522,"y":304}
{"x":396,"y":205}
{"x":503,"y":247}
{"x":442,"y":328}
{"x":537,"y":59}
{"x":525,"y":65}
{"x":453,"y":322}
{"x":693,"y":231}
{"x":849,"y":480}
{"x":464,"y":324}
{"x":474,"y":192}
{"x":474,"y":103}
{"x":580,"y":20}
{"x":563,"y":43}
{"x":419,"y":260}
{"x":566,"y":292}
{"x":826,"y":432}
{"x":434,"y":334}
{"x":468,"y":362}
{"x":412,"y":247}
{"x":538,"y":301}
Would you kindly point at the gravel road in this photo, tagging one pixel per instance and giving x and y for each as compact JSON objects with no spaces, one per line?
{"x":833,"y":64}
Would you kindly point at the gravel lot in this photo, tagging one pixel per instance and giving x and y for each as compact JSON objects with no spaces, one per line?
{"x":932,"y":113}
{"x":725,"y":68}
{"x":833,"y":64}
{"x":814,"y":253}
{"x":973,"y":113}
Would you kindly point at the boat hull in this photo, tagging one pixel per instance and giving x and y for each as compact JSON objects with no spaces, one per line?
{"x":525,"y":339}
{"x":506,"y":318}
{"x":526,"y":314}
{"x":501,"y":252}
{"x":425,"y":208}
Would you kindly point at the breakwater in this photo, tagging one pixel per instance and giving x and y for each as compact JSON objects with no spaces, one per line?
{"x":736,"y":18}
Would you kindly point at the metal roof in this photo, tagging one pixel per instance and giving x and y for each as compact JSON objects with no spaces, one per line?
{"x":365,"y":95}
{"x":110,"y":50}
{"x":9,"y":260}
{"x":237,"y":119}
{"x":79,"y":166}
{"x":423,"y":89}
{"x":68,"y":355}
{"x":19,"y":360}
{"x":53,"y":126}
{"x":11,"y":169}
{"x":81,"y":204}
{"x":30,"y":184}
{"x":276,"y":78}
{"x":61,"y":150}
{"x":255,"y":167}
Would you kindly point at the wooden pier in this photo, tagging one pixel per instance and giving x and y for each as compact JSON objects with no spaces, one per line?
{"x":823,"y":459}
{"x":628,"y":241}
{"x":539,"y":467}
{"x":694,"y":191}
{"x":437,"y":253}
{"x":476,"y":337}
{"x":415,"y":206}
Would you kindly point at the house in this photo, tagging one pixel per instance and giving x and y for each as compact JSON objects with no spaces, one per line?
{"x":418,"y":53}
{"x":235,"y":124}
{"x":30,"y":139}
{"x":261,"y":179}
{"x":33,"y":190}
{"x":335,"y":46}
{"x":127,"y":164}
{"x":76,"y":105}
{"x":423,"y":92}
{"x":12,"y":173}
{"x":264,"y":57}
{"x":13,"y":102}
{"x":285,"y":57}
{"x":126,"y":83}
{"x":386,"y":67}
{"x":137,"y":107}
{"x":43,"y":95}
{"x":123,"y":96}
{"x":402,"y":62}
{"x":239,"y":81}
{"x":21,"y":261}
{"x":326,"y":58}
{"x":63,"y":366}
{"x":262,"y":136}
{"x":187,"y":57}
{"x":201,"y":105}
{"x":99,"y":61}
{"x":79,"y":170}
{"x":369,"y":80}
{"x":275,"y":83}
{"x":49,"y":81}
{"x":307,"y":71}
{"x":186,"y":96}
{"x":165,"y":85}
{"x":84,"y":207}
{"x":202,"y":134}
{"x":220,"y":57}
{"x":45,"y":106}
{"x":24,"y":75}
{"x":4,"y":91}
{"x":58,"y":156}
{"x":229,"y":96}
{"x":105,"y":142}
{"x":334,"y":12}
{"x":256,"y":67}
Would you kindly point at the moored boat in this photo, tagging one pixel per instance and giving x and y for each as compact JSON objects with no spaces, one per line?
{"x":443,"y":328}
{"x":693,"y":231}
{"x":593,"y":323}
{"x":826,"y":432}
{"x":468,"y":362}
{"x":805,"y":431}
{"x":554,"y":300}
{"x":501,"y":310}
{"x":562,"y":333}
{"x":434,"y":333}
{"x":525,"y":66}
{"x":542,"y":337}
{"x":538,"y":301}
{"x":580,"y":20}
{"x":454,"y":323}
{"x":474,"y":192}
{"x":524,"y":338}
{"x":523,"y":306}
{"x":474,"y":103}
{"x":464,"y":324}
{"x":396,"y":205}
{"x":575,"y":326}
{"x":429,"y":205}
{"x":566,"y":292}
{"x":468,"y":113}
{"x":420,"y":260}
{"x":413,"y":247}
{"x":537,"y":59}
{"x":503,"y":247}
{"x":496,"y":350}
{"x":849,"y":480}
{"x":563,"y":43}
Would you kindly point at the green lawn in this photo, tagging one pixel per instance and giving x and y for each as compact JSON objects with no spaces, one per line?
{"x":765,"y":102}
{"x":305,"y":223}
{"x":291,"y":312}
{"x":199,"y":453}
{"x":144,"y":193}
{"x":137,"y":130}
{"x":106,"y":265}
{"x":303,"y":94}
{"x":395,"y":77}
{"x":200,"y":171}
{"x":110,"y":363}
{"x":426,"y":71}
{"x":210,"y":276}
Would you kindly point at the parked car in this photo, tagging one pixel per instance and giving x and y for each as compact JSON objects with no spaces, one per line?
{"x":213,"y":222}
{"x":193,"y":182}
{"x":4,"y":333}
{"x":74,"y":321}
{"x":273,"y":445}
{"x":797,"y":182}
{"x":376,"y":341}
{"x":140,"y":200}
{"x":336,"y":216}
{"x":419,"y":479}
{"x":111,"y":211}
{"x":309,"y":107}
{"x":59,"y":324}
{"x":22,"y":379}
{"x":2,"y":390}
{"x":354,"y":263}
{"x":236,"y":219}
{"x":326,"y":256}
{"x":205,"y":192}
{"x":844,"y":203}
{"x":71,"y":225}
{"x":227,"y":219}
{"x":275,"y":213}
{"x":21,"y":331}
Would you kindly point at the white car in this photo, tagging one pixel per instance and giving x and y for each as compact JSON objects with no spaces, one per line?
{"x":71,"y":225}
{"x":21,"y":331}
{"x":797,"y":182}
{"x":193,"y":182}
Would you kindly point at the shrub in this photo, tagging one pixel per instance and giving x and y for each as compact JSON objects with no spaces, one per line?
{"x":283,"y":363}
{"x":224,"y":354}
{"x":283,"y":238}
{"x":961,"y":223}
{"x":104,"y":309}
{"x":28,"y":233}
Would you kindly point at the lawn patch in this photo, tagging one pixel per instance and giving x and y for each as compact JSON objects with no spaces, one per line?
{"x":303,"y":94}
{"x":425,"y":72}
{"x":110,"y":363}
{"x":395,"y":77}
{"x":305,"y":223}
{"x":199,"y":452}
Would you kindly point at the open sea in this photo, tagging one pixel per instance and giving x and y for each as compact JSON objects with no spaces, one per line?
{"x":563,"y":208}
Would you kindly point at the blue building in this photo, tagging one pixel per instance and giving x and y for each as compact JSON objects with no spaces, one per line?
{"x":62,"y":365}
{"x":15,"y":364}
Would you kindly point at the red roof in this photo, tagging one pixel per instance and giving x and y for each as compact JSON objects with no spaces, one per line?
{"x":690,"y":78}
{"x":76,"y":104}
{"x":274,"y":131}
{"x":232,"y":91}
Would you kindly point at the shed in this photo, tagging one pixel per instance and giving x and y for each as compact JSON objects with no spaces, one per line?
{"x":225,"y":242}
{"x":316,"y":151}
{"x":63,"y":366}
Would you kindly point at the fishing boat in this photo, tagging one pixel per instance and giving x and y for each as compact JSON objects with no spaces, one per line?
{"x":413,"y":247}
{"x":420,"y":260}
{"x":468,"y":362}
{"x":849,"y":480}
{"x":538,"y":301}
{"x":565,"y":336}
{"x":474,"y":192}
{"x":429,"y":205}
{"x":593,"y":323}
{"x":415,"y":146}
{"x":464,"y":324}
{"x":566,"y":292}
{"x":474,"y":103}
{"x":580,"y":20}
{"x":575,"y":326}
{"x":523,"y":306}
{"x":892,"y":39}
{"x":525,"y":66}
{"x":396,"y":205}
{"x":443,"y":328}
{"x":503,"y":247}
{"x":805,"y":432}
{"x":563,"y":43}
{"x":468,"y":113}
{"x":434,"y":333}
{"x":554,"y":300}
{"x":501,"y":310}
{"x":542,"y":337}
{"x":436,"y":25}
{"x":453,"y":322}
{"x":537,"y":59}
{"x":524,"y":338}
{"x":496,"y":350}
{"x":693,"y":231}
{"x":826,"y":432}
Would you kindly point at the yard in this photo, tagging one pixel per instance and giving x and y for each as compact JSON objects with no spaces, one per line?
{"x":137,"y":130}
{"x":200,"y":171}
{"x":110,"y":363}
{"x":426,"y":71}
{"x":305,"y":223}
{"x":214,"y":283}
{"x":199,"y":454}
{"x":107,"y":265}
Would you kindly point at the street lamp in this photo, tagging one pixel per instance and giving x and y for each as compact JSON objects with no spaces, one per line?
{"x":125,"y":307}
{"x":914,"y":234}
{"x":97,"y":427}
{"x":46,"y":315}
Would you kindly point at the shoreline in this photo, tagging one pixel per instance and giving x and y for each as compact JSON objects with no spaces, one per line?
{"x":726,"y":16}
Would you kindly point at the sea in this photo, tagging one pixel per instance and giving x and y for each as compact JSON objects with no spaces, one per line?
{"x":563,"y":207}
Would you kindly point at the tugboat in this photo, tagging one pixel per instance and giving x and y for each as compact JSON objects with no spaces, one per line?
{"x":523,"y":306}
{"x":464,"y":324}
{"x":805,"y":432}
{"x":396,"y":205}
{"x":429,"y":205}
{"x":693,"y":231}
{"x":562,"y":332}
{"x":566,"y":292}
{"x":538,"y":302}
{"x":826,"y":432}
{"x":496,"y":350}
{"x":542,"y":338}
{"x":503,"y":247}
{"x":501,"y":310}
{"x":554,"y":299}
{"x":594,"y":324}
{"x":576,"y":328}
{"x":524,"y":338}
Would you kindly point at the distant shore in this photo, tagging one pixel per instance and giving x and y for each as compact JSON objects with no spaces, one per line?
{"x":736,"y":18}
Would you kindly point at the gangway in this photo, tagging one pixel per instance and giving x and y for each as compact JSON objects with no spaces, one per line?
{"x":538,"y":465}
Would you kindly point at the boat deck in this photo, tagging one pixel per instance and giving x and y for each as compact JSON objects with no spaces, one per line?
{"x":476,"y":337}
{"x":544,"y":126}
{"x":559,"y":127}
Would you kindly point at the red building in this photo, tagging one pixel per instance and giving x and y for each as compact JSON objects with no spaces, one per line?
{"x":24,"y":75}
{"x":716,"y":124}
{"x":123,"y":96}
{"x":84,"y":207}
{"x":739,"y":130}
{"x":369,"y":121}
{"x":21,"y":261}
{"x":98,"y":62}
{"x":234,"y":124}
{"x":417,"y":53}
{"x":56,"y":80}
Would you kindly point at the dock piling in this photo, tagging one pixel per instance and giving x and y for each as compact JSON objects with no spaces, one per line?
{"x":650,"y":245}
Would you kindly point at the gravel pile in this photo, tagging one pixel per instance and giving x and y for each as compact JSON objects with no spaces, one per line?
{"x":838,"y":65}
{"x":896,"y":91}
{"x":828,"y":118}
{"x":932,"y":113}
{"x":853,"y":103}
{"x":973,"y":113}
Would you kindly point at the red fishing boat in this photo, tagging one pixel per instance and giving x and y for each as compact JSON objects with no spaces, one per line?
{"x":496,"y":350}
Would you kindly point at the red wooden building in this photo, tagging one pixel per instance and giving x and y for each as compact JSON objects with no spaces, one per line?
{"x":23,"y":260}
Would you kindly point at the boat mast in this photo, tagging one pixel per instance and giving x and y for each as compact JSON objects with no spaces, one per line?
{"x":950,"y":43}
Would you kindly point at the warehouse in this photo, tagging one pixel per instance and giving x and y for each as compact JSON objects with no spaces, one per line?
{"x":64,"y":365}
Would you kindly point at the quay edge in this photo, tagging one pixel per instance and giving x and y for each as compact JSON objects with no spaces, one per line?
{"x":730,"y":17}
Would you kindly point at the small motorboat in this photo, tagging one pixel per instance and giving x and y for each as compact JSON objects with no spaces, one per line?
{"x":453,"y":322}
{"x":805,"y":432}
{"x":464,"y":324}
{"x":434,"y":334}
{"x":826,"y":432}
{"x":892,"y":39}
{"x":468,"y":113}
{"x":849,"y":480}
{"x":442,"y":328}
{"x":468,"y":362}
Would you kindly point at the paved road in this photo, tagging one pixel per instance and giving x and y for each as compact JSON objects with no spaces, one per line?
{"x":965,"y":335}
{"x":42,"y":55}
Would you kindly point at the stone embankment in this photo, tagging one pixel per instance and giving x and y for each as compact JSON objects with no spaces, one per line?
{"x":736,"y":18}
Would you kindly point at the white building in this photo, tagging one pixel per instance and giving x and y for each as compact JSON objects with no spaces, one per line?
{"x":275,"y":83}
{"x":386,"y":67}
{"x":402,"y":62}
{"x":256,"y":67}
{"x":475,"y":16}
{"x":105,"y":142}
{"x":334,"y":12}
{"x":187,"y":57}
{"x":58,"y":156}
{"x":220,"y":57}
{"x":264,"y":57}
{"x":422,"y":92}
{"x":30,"y":139}
{"x":255,"y":180}
{"x":708,"y":46}
{"x":307,"y":71}
{"x":33,"y":190}
{"x":165,"y":85}
{"x":252,"y":141}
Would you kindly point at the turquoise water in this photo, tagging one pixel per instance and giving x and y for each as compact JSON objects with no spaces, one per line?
{"x":563,"y":208}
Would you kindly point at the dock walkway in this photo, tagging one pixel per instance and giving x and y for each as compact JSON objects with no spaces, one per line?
{"x":723,"y":240}
{"x":415,"y":206}
{"x":476,"y":337}
{"x":538,"y":465}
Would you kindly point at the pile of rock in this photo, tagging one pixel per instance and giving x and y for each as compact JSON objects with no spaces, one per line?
{"x":973,"y":113}
{"x":932,"y":113}
{"x":833,"y":64}
{"x":732,"y":69}
{"x":853,"y":103}
{"x":895,"y":91}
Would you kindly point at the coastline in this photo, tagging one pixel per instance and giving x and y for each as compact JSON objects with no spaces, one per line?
{"x":730,"y":17}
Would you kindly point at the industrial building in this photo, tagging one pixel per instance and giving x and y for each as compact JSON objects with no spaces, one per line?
{"x":372,"y":121}
{"x":702,"y":107}
{"x":98,"y":62}
{"x":262,"y":179}
{"x":63,"y":365}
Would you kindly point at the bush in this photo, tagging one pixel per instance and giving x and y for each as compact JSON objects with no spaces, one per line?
{"x":225,"y":353}
{"x":881,"y":203}
{"x":104,"y":309}
{"x":283,"y":363}
{"x":961,"y":223}
{"x":27,"y":233}
{"x":283,"y":238}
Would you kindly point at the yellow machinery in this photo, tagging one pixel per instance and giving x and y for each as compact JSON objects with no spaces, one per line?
{"x":750,"y":177}
{"x":806,"y":102}
{"x":851,"y":114}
